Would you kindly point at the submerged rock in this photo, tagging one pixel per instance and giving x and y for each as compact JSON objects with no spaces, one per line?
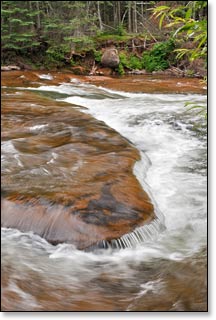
{"x":67,"y":176}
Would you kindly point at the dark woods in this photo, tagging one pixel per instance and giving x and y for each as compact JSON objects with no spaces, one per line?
{"x":55,"y":33}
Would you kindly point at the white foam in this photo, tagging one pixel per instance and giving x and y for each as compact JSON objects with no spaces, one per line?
{"x":38,"y":127}
{"x":45,"y":76}
{"x":8,"y":147}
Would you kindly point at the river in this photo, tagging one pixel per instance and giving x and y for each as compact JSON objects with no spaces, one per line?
{"x":167,"y":271}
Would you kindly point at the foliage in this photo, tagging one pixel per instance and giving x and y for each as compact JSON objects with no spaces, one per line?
{"x":17,"y":32}
{"x":79,"y":44}
{"x":159,"y":57}
{"x":54,"y":58}
{"x":121,"y":71}
{"x":188,"y":25}
{"x":120,"y":30}
{"x":105,"y":36}
{"x":129,"y":61}
{"x":97,"y":55}
{"x":201,"y":109}
{"x":57,"y":28}
{"x":135,"y":62}
{"x":123,"y":60}
{"x":56,"y":53}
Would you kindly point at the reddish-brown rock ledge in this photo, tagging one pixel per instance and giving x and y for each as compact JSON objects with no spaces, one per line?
{"x":69,"y":177}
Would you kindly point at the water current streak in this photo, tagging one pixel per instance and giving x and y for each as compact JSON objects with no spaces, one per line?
{"x":138,"y":236}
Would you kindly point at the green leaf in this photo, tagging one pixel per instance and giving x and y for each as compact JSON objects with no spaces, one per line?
{"x":181,"y":52}
{"x":183,"y":28}
{"x":3,"y":12}
{"x":160,"y":9}
{"x":188,"y":14}
{"x":13,"y":20}
{"x":202,"y":109}
{"x":162,"y":19}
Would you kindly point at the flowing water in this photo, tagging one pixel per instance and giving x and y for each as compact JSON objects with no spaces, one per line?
{"x":166,"y":271}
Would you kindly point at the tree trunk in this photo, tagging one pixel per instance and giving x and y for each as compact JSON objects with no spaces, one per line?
{"x":115,"y":13}
{"x":99,"y":16}
{"x":129,"y":17}
{"x":119,"y":12}
{"x":30,"y":10}
{"x":142,"y":12}
{"x":38,"y":15}
{"x":134,"y":17}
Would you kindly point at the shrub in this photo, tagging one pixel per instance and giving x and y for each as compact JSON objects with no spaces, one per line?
{"x":121,"y":69}
{"x":56,"y":53}
{"x":123,"y":60}
{"x":159,"y":57}
{"x":135,"y":63}
{"x":130,"y":62}
{"x":120,"y":30}
{"x":97,"y":55}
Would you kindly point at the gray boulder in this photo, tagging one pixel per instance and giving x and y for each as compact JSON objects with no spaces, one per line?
{"x":110,"y":58}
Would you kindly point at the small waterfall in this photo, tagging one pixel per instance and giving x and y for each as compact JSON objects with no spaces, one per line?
{"x":140,"y":169}
{"x":140,"y":235}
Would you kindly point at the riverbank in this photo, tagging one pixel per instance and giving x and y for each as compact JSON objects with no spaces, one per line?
{"x":135,"y":56}
{"x":98,"y":70}
{"x":128,"y":83}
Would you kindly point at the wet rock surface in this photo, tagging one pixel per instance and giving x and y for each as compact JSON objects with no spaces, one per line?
{"x":66,"y":176}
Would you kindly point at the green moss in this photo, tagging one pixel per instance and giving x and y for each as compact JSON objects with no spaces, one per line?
{"x":112,"y":37}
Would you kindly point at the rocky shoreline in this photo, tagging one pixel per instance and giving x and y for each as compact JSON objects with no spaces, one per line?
{"x":107,"y":71}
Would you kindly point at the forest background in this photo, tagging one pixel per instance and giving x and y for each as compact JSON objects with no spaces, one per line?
{"x":152,"y":36}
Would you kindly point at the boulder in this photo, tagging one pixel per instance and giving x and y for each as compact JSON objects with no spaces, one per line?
{"x":110,"y":58}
